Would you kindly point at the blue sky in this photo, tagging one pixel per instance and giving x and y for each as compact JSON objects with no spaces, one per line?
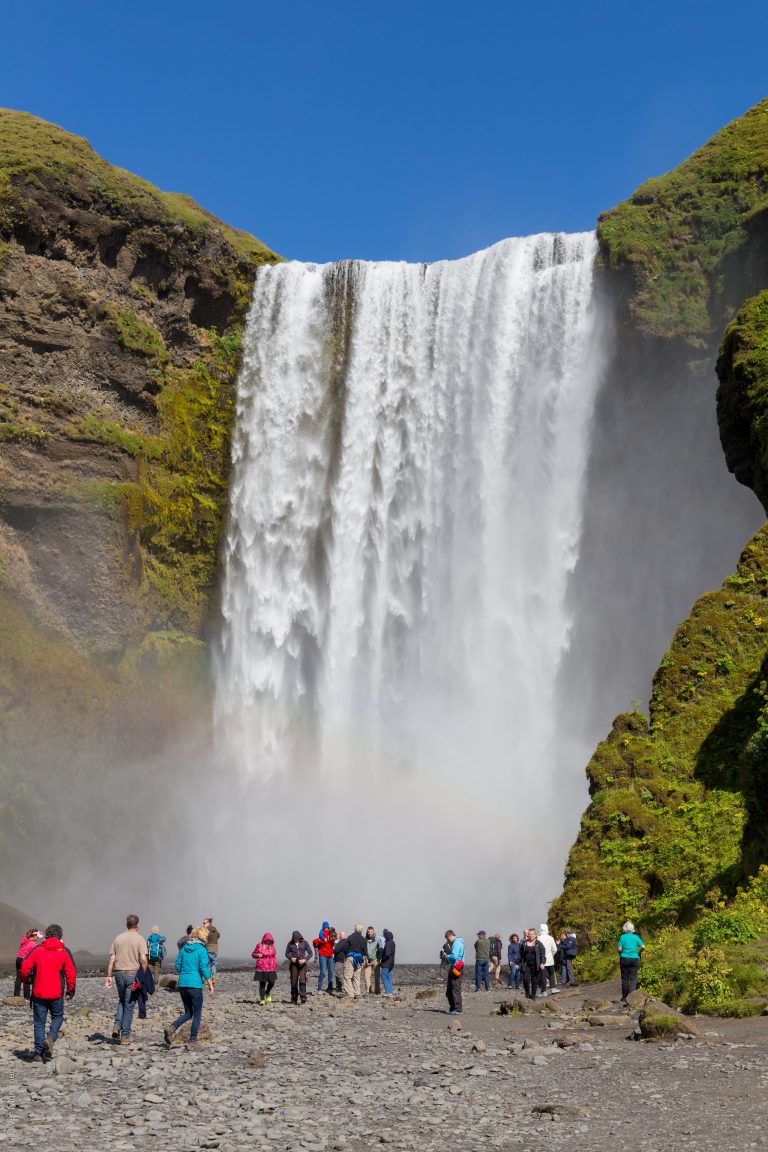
{"x":399,"y":130}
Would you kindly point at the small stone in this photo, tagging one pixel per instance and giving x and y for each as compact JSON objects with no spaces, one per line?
{"x":455,"y":1090}
{"x":454,"y":1026}
{"x":64,"y":1065}
{"x":84,"y":1098}
{"x":539,"y":1060}
{"x":479,"y":1046}
{"x":153,"y":1098}
{"x":15,"y":1002}
{"x":255,"y":1059}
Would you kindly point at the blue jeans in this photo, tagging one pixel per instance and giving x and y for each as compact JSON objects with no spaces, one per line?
{"x":386,"y":979}
{"x":514,"y":975}
{"x":124,"y":982}
{"x":326,"y":973}
{"x":481,"y":974}
{"x":192,"y":999}
{"x":212,"y":957}
{"x":40,"y":1010}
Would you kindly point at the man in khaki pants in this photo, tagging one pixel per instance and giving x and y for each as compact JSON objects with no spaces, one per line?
{"x":373,"y":967}
{"x":127,"y":954}
{"x":357,"y":952}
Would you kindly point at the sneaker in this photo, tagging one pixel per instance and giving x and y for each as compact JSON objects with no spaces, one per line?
{"x":455,"y":1012}
{"x":126,"y":1038}
{"x":36,"y":1059}
{"x":553,"y":990}
{"x":115,"y":1033}
{"x":48,"y":1044}
{"x":168,"y":1033}
{"x":262,"y":1003}
{"x":269,"y":999}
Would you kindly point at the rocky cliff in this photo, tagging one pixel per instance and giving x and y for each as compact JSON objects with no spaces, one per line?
{"x":675,"y":834}
{"x":121,"y":312}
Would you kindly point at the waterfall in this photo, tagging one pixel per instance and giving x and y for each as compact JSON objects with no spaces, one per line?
{"x":408,"y":470}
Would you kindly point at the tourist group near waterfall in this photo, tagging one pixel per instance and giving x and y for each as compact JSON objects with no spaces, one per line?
{"x":47,"y":975}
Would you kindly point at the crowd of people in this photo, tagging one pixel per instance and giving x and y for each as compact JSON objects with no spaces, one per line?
{"x":45,"y":969}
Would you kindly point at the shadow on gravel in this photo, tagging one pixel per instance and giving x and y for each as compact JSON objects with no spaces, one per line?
{"x":100,"y":1038}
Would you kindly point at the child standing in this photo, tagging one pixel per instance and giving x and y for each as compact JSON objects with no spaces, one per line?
{"x":265,"y":955}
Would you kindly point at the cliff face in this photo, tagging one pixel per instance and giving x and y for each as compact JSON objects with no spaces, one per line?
{"x":121,"y":311}
{"x":675,"y":834}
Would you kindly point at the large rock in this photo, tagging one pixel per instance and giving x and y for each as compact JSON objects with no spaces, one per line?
{"x":660,"y":1022}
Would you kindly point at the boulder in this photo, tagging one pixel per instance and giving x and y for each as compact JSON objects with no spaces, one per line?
{"x":660,"y":1022}
{"x":15,"y":1002}
{"x":637,"y":1000}
{"x":169,"y":982}
{"x":181,"y":1035}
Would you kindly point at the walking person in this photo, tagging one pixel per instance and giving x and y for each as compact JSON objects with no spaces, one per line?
{"x":298,"y":953}
{"x":127,"y":954}
{"x":372,"y":970}
{"x":532,"y":963}
{"x":194,"y":968}
{"x":323,"y":945}
{"x":482,"y":961}
{"x":454,"y":960}
{"x":630,"y":948}
{"x":356,"y":957}
{"x":387,"y":961}
{"x":550,"y":947}
{"x":265,"y":955}
{"x":494,"y":967}
{"x":211,"y":940}
{"x":155,"y":952}
{"x":50,"y":969}
{"x":513,"y":959}
{"x":29,"y":940}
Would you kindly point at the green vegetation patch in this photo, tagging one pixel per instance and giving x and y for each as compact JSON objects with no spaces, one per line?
{"x":675,"y":235}
{"x":136,"y":335}
{"x":742,"y":398}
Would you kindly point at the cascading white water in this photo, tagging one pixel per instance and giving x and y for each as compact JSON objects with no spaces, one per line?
{"x":408,"y":467}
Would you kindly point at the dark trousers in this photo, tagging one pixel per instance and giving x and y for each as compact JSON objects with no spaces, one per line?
{"x":453,"y":992}
{"x":629,"y":970}
{"x":298,"y":982}
{"x":481,"y":974}
{"x":548,"y":975}
{"x":17,"y":984}
{"x":531,"y":980}
{"x":140,"y":1001}
{"x":266,"y":983}
{"x":40,"y":1010}
{"x":192,"y":1001}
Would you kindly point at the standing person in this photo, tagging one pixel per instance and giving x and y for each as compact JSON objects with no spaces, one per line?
{"x":156,"y":952}
{"x":482,"y":961}
{"x":550,"y":947}
{"x":298,"y":954}
{"x":265,"y":955}
{"x":182,"y":940}
{"x":566,"y":954}
{"x":127,"y":954}
{"x":323,"y":945}
{"x":211,"y":941}
{"x":387,"y":961}
{"x":340,"y":948}
{"x":574,"y":951}
{"x":29,"y":940}
{"x":532,"y":963}
{"x":51,"y":970}
{"x":494,"y":966}
{"x":372,"y":969}
{"x":454,"y":960}
{"x":630,"y":949}
{"x":357,"y":956}
{"x":193,"y":967}
{"x":513,"y":959}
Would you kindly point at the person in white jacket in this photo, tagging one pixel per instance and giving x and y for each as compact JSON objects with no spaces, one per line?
{"x":548,"y":974}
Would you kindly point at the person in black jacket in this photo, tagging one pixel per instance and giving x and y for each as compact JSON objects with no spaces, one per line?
{"x":387,"y":961}
{"x":565,"y":956}
{"x":532,"y":962}
{"x":356,"y":958}
{"x":339,"y":956}
{"x":298,"y":954}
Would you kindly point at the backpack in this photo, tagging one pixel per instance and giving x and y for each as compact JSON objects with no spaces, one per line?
{"x":156,"y":950}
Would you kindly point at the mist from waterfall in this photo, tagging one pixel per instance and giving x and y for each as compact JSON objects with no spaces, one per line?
{"x":406,"y":504}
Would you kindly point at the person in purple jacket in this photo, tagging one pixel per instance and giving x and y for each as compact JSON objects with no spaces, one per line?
{"x":513,"y":959}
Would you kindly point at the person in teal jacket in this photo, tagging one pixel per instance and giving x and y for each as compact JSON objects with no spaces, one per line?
{"x":194,"y":968}
{"x":630,"y":949}
{"x":453,"y":956}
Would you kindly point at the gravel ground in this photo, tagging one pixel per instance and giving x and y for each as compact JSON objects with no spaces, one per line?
{"x":400,"y":1072}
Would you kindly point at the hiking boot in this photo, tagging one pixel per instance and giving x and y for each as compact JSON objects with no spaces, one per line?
{"x":126,"y":1038}
{"x":115,"y":1033}
{"x":48,"y":1044}
{"x":36,"y":1059}
{"x":168,"y":1033}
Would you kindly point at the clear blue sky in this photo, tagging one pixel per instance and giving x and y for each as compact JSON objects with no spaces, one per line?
{"x":403,"y":129}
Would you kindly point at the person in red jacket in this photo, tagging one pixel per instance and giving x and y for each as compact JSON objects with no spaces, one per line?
{"x":53,"y":974}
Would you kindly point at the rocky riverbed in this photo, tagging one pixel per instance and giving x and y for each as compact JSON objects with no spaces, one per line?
{"x":399,"y":1072}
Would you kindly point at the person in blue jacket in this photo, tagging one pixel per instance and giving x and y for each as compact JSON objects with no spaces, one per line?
{"x":194,"y":968}
{"x":630,"y":949}
{"x":513,"y":959}
{"x":453,"y":957}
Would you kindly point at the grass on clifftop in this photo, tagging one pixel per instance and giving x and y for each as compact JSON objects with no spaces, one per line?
{"x":677,"y":231}
{"x":676,"y":834}
{"x":30,"y":147}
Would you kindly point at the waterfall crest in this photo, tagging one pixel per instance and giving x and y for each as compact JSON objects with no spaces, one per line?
{"x":408,"y":472}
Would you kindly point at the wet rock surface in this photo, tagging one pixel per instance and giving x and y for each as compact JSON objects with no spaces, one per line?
{"x":341,"y":1077}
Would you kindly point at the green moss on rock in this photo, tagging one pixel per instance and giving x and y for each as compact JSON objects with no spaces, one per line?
{"x":677,"y":236}
{"x":742,"y":399}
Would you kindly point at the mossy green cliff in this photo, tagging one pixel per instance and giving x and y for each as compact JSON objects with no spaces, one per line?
{"x":676,"y":834}
{"x":121,"y":314}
